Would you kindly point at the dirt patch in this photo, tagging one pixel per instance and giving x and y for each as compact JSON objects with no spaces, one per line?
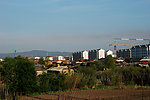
{"x":94,"y":95}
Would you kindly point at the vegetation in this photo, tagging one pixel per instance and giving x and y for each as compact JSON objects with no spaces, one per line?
{"x":41,"y":61}
{"x":51,"y":82}
{"x":19,"y":76}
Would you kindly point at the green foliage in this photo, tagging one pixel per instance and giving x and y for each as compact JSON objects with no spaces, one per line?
{"x":41,"y":61}
{"x":87,"y":77}
{"x":70,"y":82}
{"x":19,"y":76}
{"x":109,"y":62}
{"x":127,"y":76}
{"x":51,"y":82}
{"x":98,"y":65}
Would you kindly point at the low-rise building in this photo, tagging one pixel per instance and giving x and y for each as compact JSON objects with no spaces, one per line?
{"x":1,"y":60}
{"x":60,"y":69}
{"x":50,"y":58}
{"x":39,"y":71}
{"x":69,"y":58}
{"x":58,"y":58}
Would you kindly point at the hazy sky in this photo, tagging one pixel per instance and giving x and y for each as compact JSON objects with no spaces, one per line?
{"x":71,"y":25}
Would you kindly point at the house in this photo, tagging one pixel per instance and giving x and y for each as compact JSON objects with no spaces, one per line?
{"x":59,"y":58}
{"x":60,"y":69}
{"x":1,"y":60}
{"x":40,"y":71}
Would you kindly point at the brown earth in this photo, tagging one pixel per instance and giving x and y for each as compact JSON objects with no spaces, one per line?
{"x":100,"y":94}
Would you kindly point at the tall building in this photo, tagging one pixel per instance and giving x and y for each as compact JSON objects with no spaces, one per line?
{"x":101,"y":53}
{"x":140,"y":50}
{"x":84,"y":54}
{"x":109,"y":52}
{"x":80,"y":55}
{"x":96,"y":54}
{"x":76,"y":55}
{"x":93,"y":54}
{"x":124,"y":53}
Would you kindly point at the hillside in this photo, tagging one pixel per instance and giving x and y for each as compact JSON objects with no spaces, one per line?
{"x":40,"y":53}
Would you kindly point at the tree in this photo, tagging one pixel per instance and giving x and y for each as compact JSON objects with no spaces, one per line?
{"x":41,"y":61}
{"x":19,"y":76}
{"x":51,"y":82}
{"x":98,"y":65}
{"x":109,"y":62}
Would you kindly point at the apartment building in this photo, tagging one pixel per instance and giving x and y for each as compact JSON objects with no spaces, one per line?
{"x":96,"y":54}
{"x":124,"y":53}
{"x":140,"y":50}
{"x":80,"y":55}
{"x":109,"y":52}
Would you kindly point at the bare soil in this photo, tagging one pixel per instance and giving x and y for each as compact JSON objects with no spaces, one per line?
{"x":99,"y":94}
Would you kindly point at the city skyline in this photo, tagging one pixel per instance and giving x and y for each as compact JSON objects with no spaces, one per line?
{"x":71,"y":25}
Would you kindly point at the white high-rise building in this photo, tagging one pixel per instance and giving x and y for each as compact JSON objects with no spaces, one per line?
{"x":100,"y":53}
{"x":85,"y":55}
{"x":96,"y":54}
{"x":109,"y":52}
{"x":80,"y":55}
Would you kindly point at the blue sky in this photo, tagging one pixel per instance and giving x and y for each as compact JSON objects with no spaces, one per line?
{"x":71,"y":25}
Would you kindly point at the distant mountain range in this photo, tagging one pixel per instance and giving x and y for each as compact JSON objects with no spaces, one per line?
{"x":34,"y":53}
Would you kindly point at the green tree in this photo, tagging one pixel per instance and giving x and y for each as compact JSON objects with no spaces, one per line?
{"x":109,"y":62}
{"x":51,"y":82}
{"x":41,"y":61}
{"x":98,"y":65}
{"x":19,"y":76}
{"x":87,"y":77}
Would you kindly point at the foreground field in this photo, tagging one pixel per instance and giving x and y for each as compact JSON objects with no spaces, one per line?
{"x":94,"y":95}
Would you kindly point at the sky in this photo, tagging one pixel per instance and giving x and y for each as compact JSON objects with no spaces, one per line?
{"x":71,"y":25}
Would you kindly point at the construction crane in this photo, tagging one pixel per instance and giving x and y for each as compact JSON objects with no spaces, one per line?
{"x":115,"y":46}
{"x":127,"y":39}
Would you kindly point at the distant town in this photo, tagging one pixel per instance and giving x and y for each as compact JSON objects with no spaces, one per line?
{"x":95,"y":68}
{"x":136,"y":54}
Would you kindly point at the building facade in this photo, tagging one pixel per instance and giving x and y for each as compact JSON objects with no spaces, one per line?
{"x":109,"y":52}
{"x":124,"y":53}
{"x":80,"y":55}
{"x":96,"y":54}
{"x":140,"y":50}
{"x":58,"y":58}
{"x":101,"y":53}
{"x":93,"y":54}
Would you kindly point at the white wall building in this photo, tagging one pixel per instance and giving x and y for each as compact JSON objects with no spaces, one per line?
{"x":85,"y":55}
{"x":96,"y":54}
{"x":101,"y":53}
{"x":80,"y":55}
{"x":109,"y":52}
{"x":58,"y":58}
{"x":37,"y":58}
{"x":50,"y":58}
{"x":1,"y":59}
